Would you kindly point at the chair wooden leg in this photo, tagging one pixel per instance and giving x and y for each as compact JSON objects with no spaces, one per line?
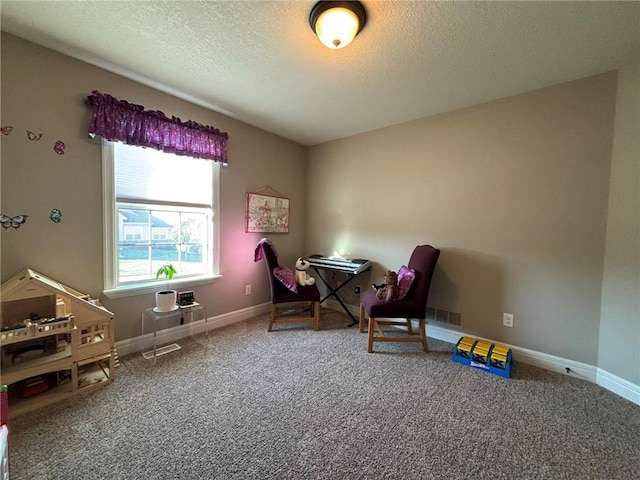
{"x":273,"y":317}
{"x":361,"y":318}
{"x":299,"y":312}
{"x":377,"y":325}
{"x":409,"y":327}
{"x":423,"y":335}
{"x":379,"y":328}
{"x":316,"y":315}
{"x":372,"y":322}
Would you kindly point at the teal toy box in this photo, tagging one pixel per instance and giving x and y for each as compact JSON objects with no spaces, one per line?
{"x":490,"y":357}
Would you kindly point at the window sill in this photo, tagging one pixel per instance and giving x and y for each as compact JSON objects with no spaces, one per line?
{"x":134,"y":290}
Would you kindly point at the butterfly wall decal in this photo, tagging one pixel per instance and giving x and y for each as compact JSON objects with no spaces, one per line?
{"x":55,"y":215}
{"x":14,"y":222}
{"x":58,"y":147}
{"x":6,"y":130}
{"x":34,"y":136}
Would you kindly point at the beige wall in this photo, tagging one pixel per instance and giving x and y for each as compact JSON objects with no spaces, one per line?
{"x":619,"y":335}
{"x":515,"y":194}
{"x":44,"y":91}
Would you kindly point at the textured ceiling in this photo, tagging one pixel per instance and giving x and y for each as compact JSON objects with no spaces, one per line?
{"x":259,"y":61}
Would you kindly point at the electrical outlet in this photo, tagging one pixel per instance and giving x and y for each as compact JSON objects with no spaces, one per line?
{"x":507,"y":319}
{"x":247,"y":289}
{"x":357,"y":289}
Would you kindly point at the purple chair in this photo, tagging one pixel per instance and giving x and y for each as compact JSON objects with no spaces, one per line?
{"x":414,"y":306}
{"x":288,"y":306}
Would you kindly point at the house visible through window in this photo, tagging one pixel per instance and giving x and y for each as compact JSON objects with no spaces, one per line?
{"x":131,"y":233}
{"x":159,"y":208}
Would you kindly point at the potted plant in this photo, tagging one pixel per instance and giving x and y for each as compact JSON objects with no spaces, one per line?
{"x":166,"y":299}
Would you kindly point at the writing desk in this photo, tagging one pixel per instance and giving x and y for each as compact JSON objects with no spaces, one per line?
{"x":351,"y":269}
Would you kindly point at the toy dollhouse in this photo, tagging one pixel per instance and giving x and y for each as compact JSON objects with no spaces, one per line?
{"x":54,"y":341}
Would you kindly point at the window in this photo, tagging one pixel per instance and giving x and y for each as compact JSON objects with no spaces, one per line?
{"x":158,"y":208}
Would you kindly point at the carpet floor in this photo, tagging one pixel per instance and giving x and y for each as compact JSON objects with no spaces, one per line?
{"x":299,"y":404}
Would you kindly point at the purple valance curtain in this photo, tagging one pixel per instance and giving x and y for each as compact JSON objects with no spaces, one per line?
{"x":120,"y":120}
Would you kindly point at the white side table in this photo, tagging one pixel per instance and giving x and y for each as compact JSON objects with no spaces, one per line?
{"x":193,"y":311}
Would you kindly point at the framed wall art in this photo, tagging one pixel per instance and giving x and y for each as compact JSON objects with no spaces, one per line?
{"x":267,"y":212}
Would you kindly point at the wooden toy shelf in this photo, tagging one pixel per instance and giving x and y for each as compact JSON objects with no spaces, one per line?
{"x":54,"y":342}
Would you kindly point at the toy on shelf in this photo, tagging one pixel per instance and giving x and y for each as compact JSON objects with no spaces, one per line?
{"x":490,"y":357}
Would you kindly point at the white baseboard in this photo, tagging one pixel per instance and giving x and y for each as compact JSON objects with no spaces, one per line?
{"x":618,"y":385}
{"x":593,"y":374}
{"x":137,"y":344}
{"x":607,"y":380}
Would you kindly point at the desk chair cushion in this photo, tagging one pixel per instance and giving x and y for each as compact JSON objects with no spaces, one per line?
{"x":286,"y":277}
{"x":406,"y":276}
{"x":306,"y":293}
{"x":396,"y":309}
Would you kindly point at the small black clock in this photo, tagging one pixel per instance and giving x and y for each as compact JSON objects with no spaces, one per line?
{"x":185,"y":298}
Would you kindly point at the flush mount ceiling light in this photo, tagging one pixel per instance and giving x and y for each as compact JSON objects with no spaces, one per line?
{"x":337,"y":23}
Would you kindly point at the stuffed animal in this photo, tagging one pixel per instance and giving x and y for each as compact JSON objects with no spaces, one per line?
{"x":387,"y":291}
{"x":302,"y":277}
